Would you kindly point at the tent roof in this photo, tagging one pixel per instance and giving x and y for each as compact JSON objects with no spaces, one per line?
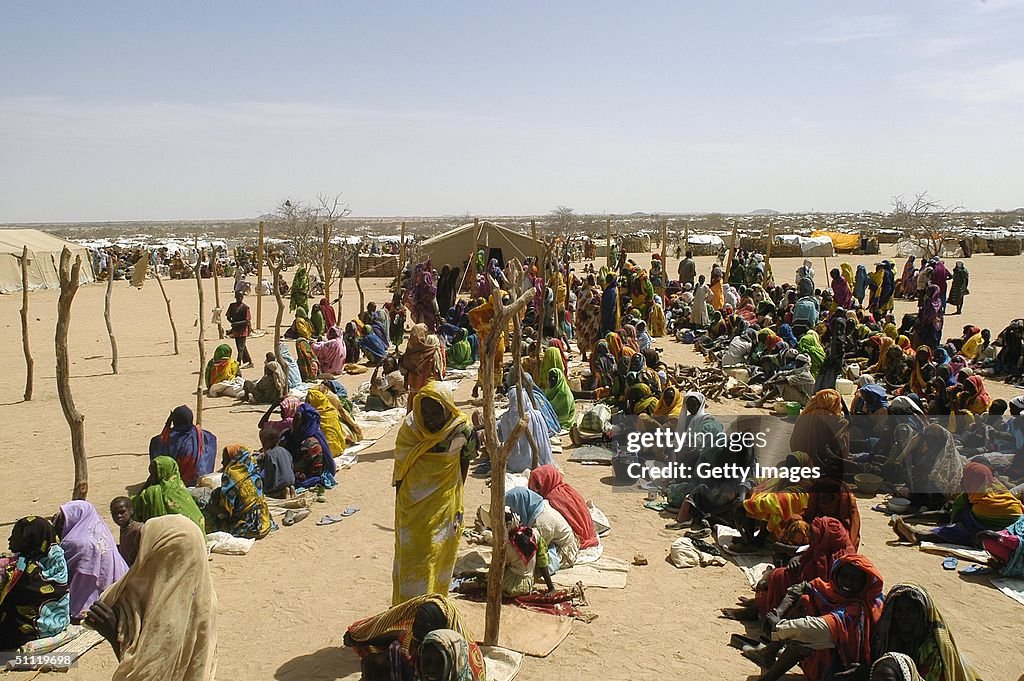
{"x":13,"y":240}
{"x":455,"y":246}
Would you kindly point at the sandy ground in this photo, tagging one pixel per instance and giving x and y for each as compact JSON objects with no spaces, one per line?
{"x":283,"y":608}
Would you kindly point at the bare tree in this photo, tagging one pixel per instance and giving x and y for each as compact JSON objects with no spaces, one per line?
{"x":303,"y":223}
{"x":927,"y":223}
{"x":70,"y":280}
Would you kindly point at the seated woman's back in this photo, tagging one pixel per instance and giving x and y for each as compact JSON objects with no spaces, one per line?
{"x":34,"y":596}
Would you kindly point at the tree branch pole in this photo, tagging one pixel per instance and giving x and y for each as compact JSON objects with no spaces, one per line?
{"x":202,"y":336}
{"x":359,"y":283}
{"x":106,"y":313}
{"x":276,"y":263}
{"x":216,"y":294}
{"x":732,"y":252}
{"x":342,"y":264}
{"x":259,"y":280}
{"x":325,"y":267}
{"x":664,"y":263}
{"x":167,"y":302}
{"x":608,"y":244}
{"x":514,"y":273}
{"x":499,"y":459}
{"x":70,"y":280}
{"x":472,"y":258}
{"x":30,"y":364}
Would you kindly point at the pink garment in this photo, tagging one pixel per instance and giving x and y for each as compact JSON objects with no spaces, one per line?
{"x":331,"y":355}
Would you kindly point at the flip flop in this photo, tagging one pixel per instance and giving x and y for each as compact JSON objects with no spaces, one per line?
{"x":351,"y":510}
{"x":950,"y":563}
{"x":676,"y":526}
{"x":330,"y":519}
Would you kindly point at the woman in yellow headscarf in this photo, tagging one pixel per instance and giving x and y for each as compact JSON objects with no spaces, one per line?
{"x":330,"y":420}
{"x":432,"y":453}
{"x":670,"y":404}
{"x":847,"y":271}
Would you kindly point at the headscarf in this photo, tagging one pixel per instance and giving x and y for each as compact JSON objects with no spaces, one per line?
{"x":525,"y":503}
{"x":938,"y":657}
{"x":988,"y":500}
{"x":330,"y":421}
{"x":193,"y":448}
{"x":981,"y":399}
{"x":841,"y":292}
{"x":560,"y":397}
{"x":221,"y":367}
{"x":37,"y":534}
{"x":330,"y":318}
{"x":671,"y":409}
{"x":787,"y":335}
{"x":94,"y":563}
{"x":414,"y":440}
{"x":305,"y":425}
{"x":302,"y":326}
{"x":461,"y":663}
{"x":918,"y":384}
{"x":904,"y":665}
{"x":290,"y":365}
{"x":166,"y":606}
{"x":842,"y":507}
{"x":552,"y":360}
{"x":874,"y":396}
{"x":852,"y":619}
{"x":242,"y":497}
{"x":810,"y":345}
{"x":169,"y":495}
{"x":549,"y":482}
{"x":422,"y":353}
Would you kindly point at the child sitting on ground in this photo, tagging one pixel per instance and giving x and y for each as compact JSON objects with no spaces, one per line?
{"x":131,"y":529}
{"x":276,"y":467}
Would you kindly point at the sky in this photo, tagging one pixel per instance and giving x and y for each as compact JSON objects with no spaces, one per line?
{"x":190,"y":110}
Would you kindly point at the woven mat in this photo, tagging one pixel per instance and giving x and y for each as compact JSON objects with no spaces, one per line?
{"x":524,"y":631}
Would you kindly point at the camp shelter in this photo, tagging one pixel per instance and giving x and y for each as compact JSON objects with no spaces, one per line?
{"x":454,"y":247}
{"x":843,"y":243}
{"x":44,"y":257}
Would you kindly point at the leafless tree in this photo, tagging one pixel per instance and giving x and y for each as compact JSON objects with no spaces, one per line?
{"x":927,"y":223}
{"x":302,"y":224}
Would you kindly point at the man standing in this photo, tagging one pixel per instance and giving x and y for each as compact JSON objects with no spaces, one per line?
{"x":687,"y":269}
{"x":238,"y":315}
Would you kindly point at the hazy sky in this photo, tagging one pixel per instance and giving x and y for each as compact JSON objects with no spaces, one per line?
{"x":140,"y":110}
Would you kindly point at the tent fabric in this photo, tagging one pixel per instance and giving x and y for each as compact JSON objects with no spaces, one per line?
{"x":44,"y":254}
{"x":454,"y":247}
{"x":906,"y":248}
{"x":810,"y":246}
{"x":843,"y":243}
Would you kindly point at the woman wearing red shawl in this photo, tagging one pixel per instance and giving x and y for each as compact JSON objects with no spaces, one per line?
{"x":835,"y":618}
{"x":974,"y":396}
{"x":330,"y":318}
{"x":833,"y":499}
{"x":829,"y":542}
{"x":549,"y":482}
{"x":841,"y":292}
{"x":940,"y":277}
{"x":629,"y":339}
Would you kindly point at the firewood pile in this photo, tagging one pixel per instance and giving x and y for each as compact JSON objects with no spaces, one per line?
{"x":711,"y":381}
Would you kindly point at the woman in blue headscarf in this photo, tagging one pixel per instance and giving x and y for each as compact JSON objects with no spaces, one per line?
{"x":787,"y":335}
{"x":194,"y":449}
{"x":371,"y":342}
{"x":860,"y":284}
{"x":312,"y":458}
{"x":534,"y":512}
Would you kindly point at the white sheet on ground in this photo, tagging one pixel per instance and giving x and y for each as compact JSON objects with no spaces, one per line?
{"x":1014,"y":588}
{"x":965,"y":552}
{"x":224,"y":543}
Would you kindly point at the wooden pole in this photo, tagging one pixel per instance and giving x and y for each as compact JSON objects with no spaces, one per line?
{"x":259,"y":281}
{"x":326,"y":266}
{"x":167,"y":302}
{"x":342,"y":264}
{"x":216,"y":294}
{"x":608,"y":243}
{"x":359,"y":284}
{"x":106,"y":313}
{"x":664,"y":260}
{"x":499,"y":459}
{"x":30,"y":364}
{"x":768,"y":277}
{"x":686,"y":237}
{"x":732,"y":252}
{"x":472,"y":258}
{"x":70,"y":280}
{"x":275,"y":266}
{"x":202,"y":336}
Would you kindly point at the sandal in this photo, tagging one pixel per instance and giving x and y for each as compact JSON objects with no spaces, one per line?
{"x":705,"y":547}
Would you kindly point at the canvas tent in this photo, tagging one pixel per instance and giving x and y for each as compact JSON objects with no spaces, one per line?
{"x":44,"y":257}
{"x":843,"y":243}
{"x":453,"y":248}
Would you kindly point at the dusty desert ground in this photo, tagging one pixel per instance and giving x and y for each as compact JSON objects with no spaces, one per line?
{"x":283,"y":608}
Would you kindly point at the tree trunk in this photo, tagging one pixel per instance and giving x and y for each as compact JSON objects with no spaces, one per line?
{"x":106,"y":314}
{"x":30,"y":364}
{"x":202,"y":339}
{"x":167,"y":302}
{"x":216,"y":295}
{"x":259,"y":281}
{"x":499,"y":457}
{"x":70,"y":278}
{"x":275,"y":267}
{"x":359,"y":287}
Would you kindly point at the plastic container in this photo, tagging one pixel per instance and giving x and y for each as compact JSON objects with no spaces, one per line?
{"x":845,"y":387}
{"x":739,"y":373}
{"x":793,"y":408}
{"x":898,"y":505}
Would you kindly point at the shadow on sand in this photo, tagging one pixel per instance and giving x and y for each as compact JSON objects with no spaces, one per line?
{"x":326,"y":664}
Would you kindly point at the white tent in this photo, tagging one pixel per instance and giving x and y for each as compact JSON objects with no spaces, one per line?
{"x":810,"y":246}
{"x":906,"y":248}
{"x":44,"y":257}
